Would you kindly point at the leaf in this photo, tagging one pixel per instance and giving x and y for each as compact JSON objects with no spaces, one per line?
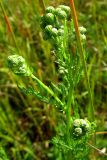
{"x":31,"y":91}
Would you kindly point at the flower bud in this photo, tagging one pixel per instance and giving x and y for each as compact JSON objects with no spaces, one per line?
{"x":78,"y":131}
{"x":18,"y":65}
{"x":88,"y":126}
{"x":50,"y":9}
{"x":60,"y":32}
{"x":83,"y":37}
{"x":48,"y":30}
{"x":83,"y":122}
{"x":49,"y":18}
{"x":54,"y":32}
{"x":60,"y":13}
{"x":77,"y":123}
{"x":82,"y":30}
{"x":65,"y":8}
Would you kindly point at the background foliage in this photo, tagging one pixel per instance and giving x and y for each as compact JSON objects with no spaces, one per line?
{"x":26,"y":124}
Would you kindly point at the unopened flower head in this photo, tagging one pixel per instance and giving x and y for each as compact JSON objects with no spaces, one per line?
{"x":78,"y":131}
{"x":77,"y":123}
{"x":18,"y":65}
{"x":49,"y":18}
{"x":61,"y":32}
{"x":50,"y":9}
{"x":83,"y":122}
{"x":83,"y":37}
{"x":88,"y":126}
{"x":82,"y":30}
{"x":61,"y":13}
{"x":65,"y":8}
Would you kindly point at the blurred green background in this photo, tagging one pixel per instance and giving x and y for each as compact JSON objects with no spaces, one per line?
{"x":26,"y":124}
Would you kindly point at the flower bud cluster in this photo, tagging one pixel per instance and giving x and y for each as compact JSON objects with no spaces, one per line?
{"x":18,"y":65}
{"x":52,"y":21}
{"x":82,"y":33}
{"x":81,"y":127}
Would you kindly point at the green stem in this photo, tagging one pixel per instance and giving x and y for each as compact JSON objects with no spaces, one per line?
{"x":47,"y":89}
{"x":9,"y":25}
{"x":80,"y":47}
{"x":68,"y":110}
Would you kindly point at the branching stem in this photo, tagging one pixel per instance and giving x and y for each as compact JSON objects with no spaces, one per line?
{"x":47,"y":89}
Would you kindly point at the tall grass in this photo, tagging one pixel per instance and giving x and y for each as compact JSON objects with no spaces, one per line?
{"x":27,"y":128}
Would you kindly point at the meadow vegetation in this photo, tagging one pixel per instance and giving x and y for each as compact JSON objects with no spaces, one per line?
{"x":47,"y":110}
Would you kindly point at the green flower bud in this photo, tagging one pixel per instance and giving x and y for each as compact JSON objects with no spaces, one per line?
{"x":83,"y":37}
{"x":65,"y":8}
{"x":57,"y":10}
{"x":83,"y":122}
{"x":49,"y":18}
{"x":54,"y":32}
{"x":78,"y":131}
{"x":60,"y":32}
{"x":88,"y":126}
{"x":82,"y":30}
{"x":77,"y":123}
{"x":18,"y":65}
{"x":48,"y":30}
{"x":60,"y":13}
{"x":50,"y":9}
